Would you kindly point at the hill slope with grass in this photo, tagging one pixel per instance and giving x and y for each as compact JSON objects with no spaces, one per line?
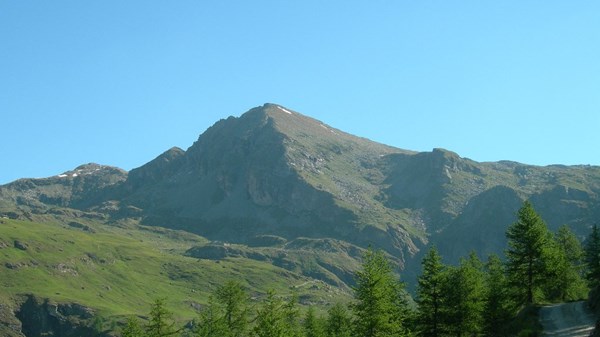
{"x":97,"y":274}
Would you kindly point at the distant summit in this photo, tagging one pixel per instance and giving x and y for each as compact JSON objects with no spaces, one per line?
{"x":276,"y":173}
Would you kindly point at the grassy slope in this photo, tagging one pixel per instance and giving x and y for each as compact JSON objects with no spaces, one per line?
{"x":120,"y":271}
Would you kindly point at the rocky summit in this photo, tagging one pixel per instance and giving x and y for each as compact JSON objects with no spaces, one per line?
{"x":275,"y":173}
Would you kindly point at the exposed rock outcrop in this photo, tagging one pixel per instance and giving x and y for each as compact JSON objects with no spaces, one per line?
{"x":41,"y":317}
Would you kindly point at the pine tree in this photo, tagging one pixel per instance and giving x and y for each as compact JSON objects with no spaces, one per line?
{"x":592,"y":257}
{"x":569,"y":243}
{"x":564,"y":254}
{"x":161,"y":321}
{"x":498,"y":307}
{"x":234,"y":301}
{"x":133,"y":328}
{"x":463,"y":302}
{"x":212,"y":322}
{"x":380,"y":308}
{"x":270,"y":320}
{"x":313,"y":325}
{"x":338,"y":322}
{"x":527,"y":240}
{"x":430,"y":295}
{"x":291,"y":316}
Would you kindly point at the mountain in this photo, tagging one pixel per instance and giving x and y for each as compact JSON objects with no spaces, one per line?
{"x":274,"y":172}
{"x":273,"y":198}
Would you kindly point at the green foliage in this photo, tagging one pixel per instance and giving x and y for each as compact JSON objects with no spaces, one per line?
{"x":276,"y":318}
{"x":161,"y":322}
{"x":498,"y":306}
{"x":291,"y":315}
{"x":338,"y":322}
{"x":234,"y":302}
{"x":464,"y":298}
{"x":211,"y":321}
{"x":564,"y":268}
{"x":380,"y":308}
{"x":571,"y":246}
{"x":592,"y":257}
{"x":526,"y":265}
{"x":313,"y":326}
{"x":133,"y":328}
{"x":430,"y":295}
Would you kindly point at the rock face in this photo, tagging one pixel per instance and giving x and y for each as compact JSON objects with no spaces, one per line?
{"x":275,"y":173}
{"x":10,"y":326}
{"x":37,"y":317}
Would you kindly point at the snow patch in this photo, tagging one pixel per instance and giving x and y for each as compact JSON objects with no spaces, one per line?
{"x":284,"y":110}
{"x":62,"y":175}
{"x":324,"y":127}
{"x":74,"y":175}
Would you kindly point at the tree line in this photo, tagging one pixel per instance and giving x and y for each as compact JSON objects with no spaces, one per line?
{"x":474,"y":298}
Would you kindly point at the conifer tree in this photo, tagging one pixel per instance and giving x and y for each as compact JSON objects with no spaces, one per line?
{"x":338,"y":322}
{"x":133,"y":328}
{"x":527,"y":240}
{"x":270,"y":320}
{"x":212,"y":322}
{"x":380,"y":308}
{"x":464,"y":298}
{"x":498,"y":308}
{"x":234,"y":303}
{"x":592,"y":257}
{"x":430,"y":295}
{"x":313,"y":325}
{"x":569,"y":243}
{"x":161,"y":322}
{"x":291,"y":316}
{"x":564,"y":281}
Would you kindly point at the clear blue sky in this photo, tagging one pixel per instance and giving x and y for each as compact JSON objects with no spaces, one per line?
{"x":119,"y":82}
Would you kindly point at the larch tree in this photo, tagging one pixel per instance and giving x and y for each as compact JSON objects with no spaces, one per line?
{"x":528,"y":239}
{"x":313,"y":325}
{"x":234,"y":302}
{"x":161,"y":322}
{"x":430,"y":295}
{"x":498,"y":307}
{"x":212,"y":322}
{"x":277,"y":318}
{"x":338,"y":322}
{"x":270,"y":320}
{"x":133,"y":328}
{"x":565,"y":282}
{"x":464,"y":298}
{"x":380,"y":309}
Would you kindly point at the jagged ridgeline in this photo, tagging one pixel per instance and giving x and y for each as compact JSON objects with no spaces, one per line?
{"x":279,"y":189}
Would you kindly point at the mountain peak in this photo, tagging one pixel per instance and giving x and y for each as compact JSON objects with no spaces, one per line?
{"x":92,"y":169}
{"x":273,"y":108}
{"x":275,"y":171}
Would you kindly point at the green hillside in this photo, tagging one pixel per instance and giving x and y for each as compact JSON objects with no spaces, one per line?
{"x":119,"y":270}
